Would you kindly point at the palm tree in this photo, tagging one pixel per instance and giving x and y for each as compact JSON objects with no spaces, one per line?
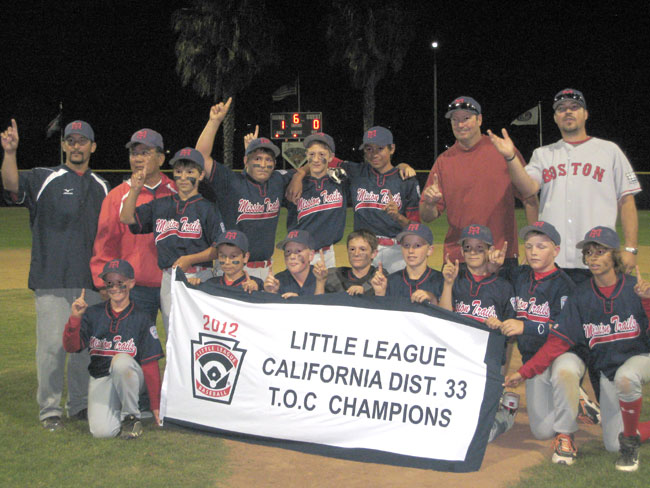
{"x":369,"y":37}
{"x":221,"y":46}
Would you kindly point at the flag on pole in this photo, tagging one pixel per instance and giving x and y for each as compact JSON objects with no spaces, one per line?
{"x":283,"y":92}
{"x":529,"y":117}
{"x":54,"y":126}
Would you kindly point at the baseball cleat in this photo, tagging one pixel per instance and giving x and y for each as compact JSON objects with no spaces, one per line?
{"x":588,"y":411}
{"x":629,"y":458}
{"x":131,"y":428}
{"x":565,"y":450}
{"x":80,"y":415}
{"x":52,"y":423}
{"x":505,"y":416}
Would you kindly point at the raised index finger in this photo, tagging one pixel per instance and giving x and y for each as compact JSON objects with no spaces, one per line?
{"x":638,"y":273}
{"x":14,"y":126}
{"x":83,"y":293}
{"x":322,"y":256}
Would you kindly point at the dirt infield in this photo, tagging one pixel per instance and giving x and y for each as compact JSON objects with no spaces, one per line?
{"x":255,"y":465}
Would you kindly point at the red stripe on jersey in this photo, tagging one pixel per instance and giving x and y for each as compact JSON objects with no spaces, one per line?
{"x":109,"y":353}
{"x":319,"y":208}
{"x":262,"y":216}
{"x":618,"y":336}
{"x":379,"y":206}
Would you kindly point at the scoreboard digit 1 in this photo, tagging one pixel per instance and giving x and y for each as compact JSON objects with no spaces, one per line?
{"x":295,"y":125}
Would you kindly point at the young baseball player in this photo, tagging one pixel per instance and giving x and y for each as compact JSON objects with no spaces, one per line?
{"x":185,"y":226}
{"x":232,"y":255}
{"x":417,"y":280}
{"x":475,"y":292}
{"x":608,"y":314}
{"x":300,"y":278}
{"x":355,"y":279}
{"x":124,"y":353}
{"x":541,"y":290}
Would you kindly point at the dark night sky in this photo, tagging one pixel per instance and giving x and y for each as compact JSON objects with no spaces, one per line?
{"x":112,"y":64}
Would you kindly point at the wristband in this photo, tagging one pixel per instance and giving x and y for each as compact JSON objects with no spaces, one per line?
{"x":511,"y":158}
{"x":632,"y":250}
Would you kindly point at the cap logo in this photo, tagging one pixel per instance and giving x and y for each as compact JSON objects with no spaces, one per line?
{"x":413,"y":227}
{"x":539,"y":224}
{"x":75,"y":125}
{"x":142,"y":134}
{"x":264,"y":140}
{"x":459,"y":100}
{"x":595,"y":233}
{"x":185,"y":152}
{"x":292,"y":235}
{"x":473,"y":229}
{"x":372,"y":134}
{"x":114,"y":264}
{"x":231,"y":236}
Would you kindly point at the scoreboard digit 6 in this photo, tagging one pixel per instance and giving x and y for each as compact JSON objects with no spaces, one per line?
{"x":295,"y":125}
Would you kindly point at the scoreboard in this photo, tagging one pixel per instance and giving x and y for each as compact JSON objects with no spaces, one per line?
{"x":295,"y":125}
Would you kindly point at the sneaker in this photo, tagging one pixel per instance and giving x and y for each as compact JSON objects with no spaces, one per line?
{"x":565,"y":451}
{"x":80,"y":415}
{"x":629,"y":458}
{"x":52,"y":423}
{"x":505,"y":416}
{"x":588,"y":411}
{"x":131,"y":428}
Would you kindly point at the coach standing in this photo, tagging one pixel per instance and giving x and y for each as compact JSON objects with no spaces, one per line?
{"x":64,"y":204}
{"x":584,"y":182}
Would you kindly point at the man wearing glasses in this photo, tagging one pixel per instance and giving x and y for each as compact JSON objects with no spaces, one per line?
{"x":115,"y":241}
{"x":470,"y":181}
{"x":584,"y":182}
{"x":63,"y":204}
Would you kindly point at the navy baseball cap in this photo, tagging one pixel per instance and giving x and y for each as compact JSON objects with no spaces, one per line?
{"x":188,"y":154}
{"x":543,"y":228}
{"x":601,"y":235}
{"x":148,"y":137}
{"x":299,"y":236}
{"x":416,"y":229}
{"x":571,"y":95}
{"x":262,"y":143}
{"x":119,"y":266}
{"x":235,"y":238}
{"x":475,"y":231}
{"x":463,"y":103}
{"x":79,"y":127}
{"x":319,"y":137}
{"x":380,"y":136}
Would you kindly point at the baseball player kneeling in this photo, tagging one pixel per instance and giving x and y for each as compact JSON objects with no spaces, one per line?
{"x":124,"y":352}
{"x":609,"y":315}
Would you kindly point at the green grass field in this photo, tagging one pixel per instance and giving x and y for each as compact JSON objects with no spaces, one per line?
{"x":32,"y":457}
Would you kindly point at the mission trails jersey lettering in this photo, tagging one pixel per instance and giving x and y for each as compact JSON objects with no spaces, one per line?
{"x":369,"y":194}
{"x":614,"y":329}
{"x":580,"y":187}
{"x":321,"y":210}
{"x":180,"y":227}
{"x":63,"y":212}
{"x":493,"y":296}
{"x":538,"y":303}
{"x":249,"y":206}
{"x":131,"y":332}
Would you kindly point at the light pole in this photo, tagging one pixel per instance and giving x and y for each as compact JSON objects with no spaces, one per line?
{"x":434,"y":46}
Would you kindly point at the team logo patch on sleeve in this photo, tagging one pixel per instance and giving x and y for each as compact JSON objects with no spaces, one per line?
{"x":631,"y":177}
{"x":153,"y":331}
{"x":215,"y":369}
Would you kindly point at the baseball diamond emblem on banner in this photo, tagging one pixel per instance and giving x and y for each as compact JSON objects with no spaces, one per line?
{"x":216,"y":362}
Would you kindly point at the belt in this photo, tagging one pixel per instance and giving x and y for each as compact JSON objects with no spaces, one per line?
{"x":259,"y":264}
{"x":386,"y":241}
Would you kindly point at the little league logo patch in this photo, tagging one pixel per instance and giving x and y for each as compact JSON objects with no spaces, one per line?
{"x":215,"y":369}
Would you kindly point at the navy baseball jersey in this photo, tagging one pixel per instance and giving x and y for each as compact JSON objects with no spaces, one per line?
{"x":105,"y":334}
{"x":400,"y":285}
{"x":180,"y":228}
{"x":63,"y":209}
{"x":493,"y":296}
{"x":538,"y":304}
{"x":221,"y":280}
{"x":369,"y":194}
{"x":250,"y":206}
{"x":613,"y":329}
{"x":289,"y":284}
{"x":320,"y":210}
{"x":341,"y":278}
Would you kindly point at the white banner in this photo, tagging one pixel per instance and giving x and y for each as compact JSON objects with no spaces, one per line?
{"x":401,"y":382}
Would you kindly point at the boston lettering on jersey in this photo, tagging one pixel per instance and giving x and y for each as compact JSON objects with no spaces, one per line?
{"x":183,"y":229}
{"x":248,"y":210}
{"x":370,"y":199}
{"x":574,"y":169}
{"x":325,"y":201}
{"x":616,"y":330}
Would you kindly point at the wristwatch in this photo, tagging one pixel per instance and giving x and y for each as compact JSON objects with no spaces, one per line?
{"x":633,"y":250}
